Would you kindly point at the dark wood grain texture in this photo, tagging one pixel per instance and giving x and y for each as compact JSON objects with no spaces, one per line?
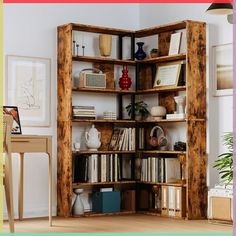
{"x":196,"y":70}
{"x":164,"y":43}
{"x":64,"y":160}
{"x":196,"y":170}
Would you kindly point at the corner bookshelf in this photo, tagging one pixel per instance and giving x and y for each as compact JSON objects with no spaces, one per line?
{"x":194,"y":188}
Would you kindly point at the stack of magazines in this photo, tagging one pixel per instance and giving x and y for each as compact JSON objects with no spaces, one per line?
{"x":84,"y":112}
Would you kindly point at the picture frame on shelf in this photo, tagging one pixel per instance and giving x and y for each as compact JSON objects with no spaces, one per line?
{"x":28,"y":88}
{"x":167,"y":74}
{"x":222,"y":69}
{"x":175,"y":42}
{"x":13,"y":111}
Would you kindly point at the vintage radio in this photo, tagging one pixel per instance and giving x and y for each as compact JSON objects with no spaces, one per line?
{"x":91,"y":78}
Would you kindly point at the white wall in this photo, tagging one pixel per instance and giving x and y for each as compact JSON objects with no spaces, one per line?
{"x":220,"y":109}
{"x":30,"y":30}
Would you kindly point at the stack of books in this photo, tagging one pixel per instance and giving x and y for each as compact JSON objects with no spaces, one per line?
{"x":84,"y":112}
{"x":109,"y":115}
{"x":123,"y":139}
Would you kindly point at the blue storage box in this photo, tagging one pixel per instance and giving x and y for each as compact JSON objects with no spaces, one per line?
{"x":106,"y":202}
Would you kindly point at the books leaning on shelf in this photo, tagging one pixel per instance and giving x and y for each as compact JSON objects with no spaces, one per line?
{"x":84,"y":112}
{"x":123,"y":139}
{"x":96,"y":168}
{"x":162,"y":170}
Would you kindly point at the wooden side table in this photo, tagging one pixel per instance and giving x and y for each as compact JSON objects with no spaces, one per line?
{"x":32,"y":144}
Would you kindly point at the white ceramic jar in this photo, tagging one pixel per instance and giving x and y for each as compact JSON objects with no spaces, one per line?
{"x":93,"y":139}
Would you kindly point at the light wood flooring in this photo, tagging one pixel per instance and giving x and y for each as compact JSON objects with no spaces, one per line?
{"x":127,"y":223}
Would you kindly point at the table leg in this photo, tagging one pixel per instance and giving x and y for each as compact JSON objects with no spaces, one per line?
{"x":50,"y":189}
{"x":21,"y":186}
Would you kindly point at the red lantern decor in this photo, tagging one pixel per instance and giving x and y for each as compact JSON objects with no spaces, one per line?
{"x":125,"y":81}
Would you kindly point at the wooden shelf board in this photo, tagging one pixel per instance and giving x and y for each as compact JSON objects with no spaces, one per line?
{"x":159,"y":29}
{"x":162,"y":184}
{"x":162,"y":89}
{"x":103,"y":60}
{"x":163,"y":59}
{"x":111,"y":91}
{"x":161,"y":121}
{"x":77,"y":185}
{"x":101,"y":152}
{"x":161,"y":152}
{"x":152,"y":213}
{"x":91,"y":214}
{"x":101,"y":29}
{"x":103,"y":121}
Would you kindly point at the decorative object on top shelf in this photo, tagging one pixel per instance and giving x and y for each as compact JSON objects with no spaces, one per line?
{"x":168,"y":74}
{"x":105,"y":44}
{"x":140,"y":54}
{"x":157,"y":138}
{"x":109,"y":115}
{"x":154,"y":53}
{"x":140,"y":110}
{"x":78,"y":206}
{"x":158,"y":112}
{"x":90,"y":78}
{"x":125,"y":81}
{"x":225,"y":162}
{"x":83,"y":47}
{"x":93,"y":138}
{"x":175,"y":41}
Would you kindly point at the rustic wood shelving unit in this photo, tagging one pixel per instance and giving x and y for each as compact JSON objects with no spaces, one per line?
{"x":195,"y":88}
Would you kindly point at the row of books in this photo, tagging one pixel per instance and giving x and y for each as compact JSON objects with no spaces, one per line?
{"x":141,"y":135}
{"x":157,"y":169}
{"x":96,"y":168}
{"x":84,"y":112}
{"x":123,"y":139}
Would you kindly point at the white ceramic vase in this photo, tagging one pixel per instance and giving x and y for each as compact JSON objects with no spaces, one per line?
{"x":181,"y":102}
{"x":78,"y":206}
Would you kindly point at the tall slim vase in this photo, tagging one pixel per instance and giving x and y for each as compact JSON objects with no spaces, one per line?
{"x":105,"y":43}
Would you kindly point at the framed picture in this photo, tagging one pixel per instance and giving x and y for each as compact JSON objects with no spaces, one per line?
{"x":28,"y":88}
{"x":168,"y":74}
{"x":175,"y":43}
{"x":223,"y":70}
{"x":13,"y":111}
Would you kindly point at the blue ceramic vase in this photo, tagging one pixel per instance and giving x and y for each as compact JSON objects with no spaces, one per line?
{"x":140,"y":54}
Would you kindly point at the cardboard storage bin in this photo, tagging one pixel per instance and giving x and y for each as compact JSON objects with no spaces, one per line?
{"x":106,"y":202}
{"x":221,"y":208}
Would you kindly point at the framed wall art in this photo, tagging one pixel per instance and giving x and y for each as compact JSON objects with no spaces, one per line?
{"x":28,"y":88}
{"x":223,"y":70}
{"x":13,"y":111}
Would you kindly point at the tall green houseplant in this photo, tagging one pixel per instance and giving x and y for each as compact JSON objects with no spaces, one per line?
{"x":224,"y":164}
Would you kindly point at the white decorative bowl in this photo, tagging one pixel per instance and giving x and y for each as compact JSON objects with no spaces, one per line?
{"x":158,"y":112}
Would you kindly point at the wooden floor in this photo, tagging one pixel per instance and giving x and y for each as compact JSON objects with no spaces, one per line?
{"x":128,"y":223}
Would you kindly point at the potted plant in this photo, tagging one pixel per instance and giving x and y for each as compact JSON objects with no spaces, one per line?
{"x":225,"y":161}
{"x":140,"y":110}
